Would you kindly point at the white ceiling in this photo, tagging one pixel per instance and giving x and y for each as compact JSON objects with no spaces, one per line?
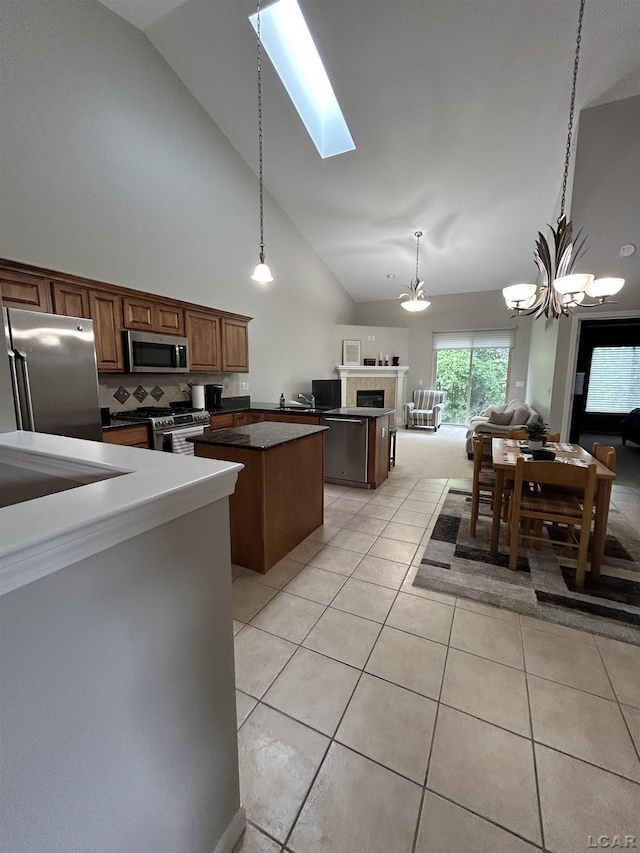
{"x":458,"y":109}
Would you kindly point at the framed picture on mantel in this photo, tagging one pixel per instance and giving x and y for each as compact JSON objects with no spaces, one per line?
{"x":351,"y":353}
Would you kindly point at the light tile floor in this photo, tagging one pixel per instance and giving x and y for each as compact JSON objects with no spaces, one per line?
{"x":375,"y":717}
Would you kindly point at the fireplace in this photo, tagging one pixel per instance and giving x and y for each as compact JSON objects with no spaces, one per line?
{"x":370,"y":399}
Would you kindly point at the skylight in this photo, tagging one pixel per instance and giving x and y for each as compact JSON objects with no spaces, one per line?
{"x":286,"y":38}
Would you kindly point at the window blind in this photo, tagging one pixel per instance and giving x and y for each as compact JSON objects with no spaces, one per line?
{"x":475,"y":339}
{"x":614,"y":381}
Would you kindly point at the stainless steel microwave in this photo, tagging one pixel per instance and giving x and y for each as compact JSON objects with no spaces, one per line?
{"x":149,"y":353}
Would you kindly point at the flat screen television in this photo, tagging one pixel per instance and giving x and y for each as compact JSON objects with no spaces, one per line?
{"x":328,"y":392}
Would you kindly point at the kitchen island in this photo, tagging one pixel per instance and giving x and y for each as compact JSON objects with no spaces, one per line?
{"x":278,"y":499}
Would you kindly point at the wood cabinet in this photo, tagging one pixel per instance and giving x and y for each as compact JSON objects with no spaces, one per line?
{"x":134,"y":435}
{"x":278,"y":499}
{"x":235,"y":345}
{"x":203,"y":332}
{"x":218,"y":341}
{"x":25,"y":291}
{"x":169,"y":319}
{"x":224,"y":421}
{"x":246,"y":418}
{"x":71,"y":300}
{"x":378,"y":462}
{"x":106,"y":312}
{"x":146,"y":315}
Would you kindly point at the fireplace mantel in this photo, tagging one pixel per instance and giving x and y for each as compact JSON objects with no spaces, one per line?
{"x":398,"y":373}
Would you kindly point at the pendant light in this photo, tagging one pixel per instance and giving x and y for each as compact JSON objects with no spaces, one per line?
{"x":262,"y":273}
{"x":415,"y":298}
{"x":561,"y":290}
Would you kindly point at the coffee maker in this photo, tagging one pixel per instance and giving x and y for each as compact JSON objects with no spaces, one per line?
{"x":213,"y":397}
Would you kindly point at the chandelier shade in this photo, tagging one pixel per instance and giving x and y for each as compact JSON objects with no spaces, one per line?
{"x":575,"y":283}
{"x":601,"y":288}
{"x":262,"y":273}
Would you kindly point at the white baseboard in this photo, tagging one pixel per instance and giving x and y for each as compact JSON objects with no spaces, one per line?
{"x":232,"y":833}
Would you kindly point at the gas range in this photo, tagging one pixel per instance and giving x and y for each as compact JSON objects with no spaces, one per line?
{"x":161,"y":418}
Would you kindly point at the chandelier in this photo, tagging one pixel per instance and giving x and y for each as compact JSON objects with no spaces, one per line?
{"x":415,"y":298}
{"x":262,"y":272}
{"x":561,"y":290}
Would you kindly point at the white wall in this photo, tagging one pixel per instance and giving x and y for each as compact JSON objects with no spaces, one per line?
{"x":373,"y":341}
{"x":542,"y":361}
{"x":111,"y":170}
{"x":606,"y":204}
{"x":447,"y":313}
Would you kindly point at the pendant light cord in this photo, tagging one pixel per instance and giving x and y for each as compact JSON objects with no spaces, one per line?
{"x":571,"y":109}
{"x":418,"y":236}
{"x":260,"y":133}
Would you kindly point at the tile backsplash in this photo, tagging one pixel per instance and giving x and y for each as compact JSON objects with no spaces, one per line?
{"x":126,"y":391}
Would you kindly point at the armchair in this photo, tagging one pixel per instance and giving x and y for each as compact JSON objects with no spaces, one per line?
{"x":425,"y":410}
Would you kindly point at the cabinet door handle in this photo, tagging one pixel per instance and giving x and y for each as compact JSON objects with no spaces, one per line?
{"x":344,"y":420}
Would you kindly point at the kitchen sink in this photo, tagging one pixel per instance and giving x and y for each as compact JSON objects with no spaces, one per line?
{"x":302,"y":410}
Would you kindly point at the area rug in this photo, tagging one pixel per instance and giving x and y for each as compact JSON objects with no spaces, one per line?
{"x":543,"y":584}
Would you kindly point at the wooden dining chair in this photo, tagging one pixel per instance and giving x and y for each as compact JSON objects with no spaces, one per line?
{"x":484,"y":484}
{"x":530,"y":509}
{"x":604,"y":453}
{"x":521,"y":435}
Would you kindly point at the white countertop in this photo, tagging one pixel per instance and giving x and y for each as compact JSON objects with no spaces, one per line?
{"x":41,"y":536}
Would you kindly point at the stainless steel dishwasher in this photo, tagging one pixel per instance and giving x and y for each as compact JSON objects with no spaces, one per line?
{"x":346,"y":447}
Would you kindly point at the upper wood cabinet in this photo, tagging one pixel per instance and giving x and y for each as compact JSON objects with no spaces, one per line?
{"x":106,"y":313}
{"x":72,"y":300}
{"x":25,"y":291}
{"x":169,"y":319}
{"x":218,"y":341}
{"x":203,"y":332}
{"x":235,"y":345}
{"x":146,"y":315}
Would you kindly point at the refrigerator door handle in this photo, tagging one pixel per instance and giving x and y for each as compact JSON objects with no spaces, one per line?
{"x":22,"y":356}
{"x":14,"y":388}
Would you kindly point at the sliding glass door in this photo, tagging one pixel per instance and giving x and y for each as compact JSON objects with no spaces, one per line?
{"x":472,"y":368}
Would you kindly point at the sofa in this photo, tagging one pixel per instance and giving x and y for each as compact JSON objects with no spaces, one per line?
{"x":425,"y":410}
{"x":631,"y":427}
{"x":500,"y":420}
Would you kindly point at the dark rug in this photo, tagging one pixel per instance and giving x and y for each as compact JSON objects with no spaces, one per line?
{"x":543,"y":585}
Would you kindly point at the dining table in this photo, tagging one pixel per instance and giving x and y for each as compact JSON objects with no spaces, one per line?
{"x":505,"y":452}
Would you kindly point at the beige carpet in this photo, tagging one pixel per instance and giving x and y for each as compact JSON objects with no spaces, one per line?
{"x":424,"y":453}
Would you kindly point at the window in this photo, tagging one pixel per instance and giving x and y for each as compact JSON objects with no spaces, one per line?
{"x":472,"y":368}
{"x":621,"y":395}
{"x":289,"y":43}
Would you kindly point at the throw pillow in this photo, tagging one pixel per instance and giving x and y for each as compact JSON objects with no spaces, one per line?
{"x":500,"y":418}
{"x":521,"y":415}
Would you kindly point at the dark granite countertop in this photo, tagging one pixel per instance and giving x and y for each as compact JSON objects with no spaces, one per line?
{"x":359,"y":412}
{"x":114,"y":423}
{"x":261,"y":436}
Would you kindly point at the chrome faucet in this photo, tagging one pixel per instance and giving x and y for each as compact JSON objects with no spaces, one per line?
{"x":309,"y":399}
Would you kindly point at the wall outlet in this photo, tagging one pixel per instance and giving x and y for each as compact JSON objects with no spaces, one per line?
{"x":519,"y":384}
{"x":419,"y":381}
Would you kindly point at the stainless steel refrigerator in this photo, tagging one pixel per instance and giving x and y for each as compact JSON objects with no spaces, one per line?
{"x":54,"y":373}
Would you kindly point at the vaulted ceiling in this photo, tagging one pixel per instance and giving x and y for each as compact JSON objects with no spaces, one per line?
{"x":458,"y":109}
